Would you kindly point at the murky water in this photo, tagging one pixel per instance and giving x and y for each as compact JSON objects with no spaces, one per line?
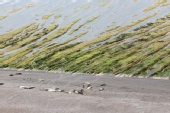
{"x":120,"y":12}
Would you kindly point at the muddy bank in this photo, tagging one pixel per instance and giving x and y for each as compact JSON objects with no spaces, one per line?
{"x":130,"y":95}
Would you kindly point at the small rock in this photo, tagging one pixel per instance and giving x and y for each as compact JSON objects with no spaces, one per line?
{"x":160,"y":40}
{"x":41,"y":80}
{"x":52,"y":89}
{"x":90,"y":87}
{"x":103,"y":84}
{"x":1,"y":83}
{"x":59,"y":90}
{"x":76,"y":92}
{"x":79,"y":91}
{"x":101,"y":89}
{"x":27,"y":87}
{"x":70,"y":92}
{"x":100,"y":74}
{"x":11,"y":75}
{"x":43,"y":89}
{"x":18,"y":73}
{"x":86,"y":85}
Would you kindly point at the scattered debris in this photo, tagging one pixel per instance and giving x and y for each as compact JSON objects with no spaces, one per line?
{"x":26,"y":87}
{"x":86,"y":85}
{"x":60,"y":90}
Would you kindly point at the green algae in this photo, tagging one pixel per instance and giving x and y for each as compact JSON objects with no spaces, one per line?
{"x":2,"y":17}
{"x":157,"y":3}
{"x":78,"y":27}
{"x":142,"y":51}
